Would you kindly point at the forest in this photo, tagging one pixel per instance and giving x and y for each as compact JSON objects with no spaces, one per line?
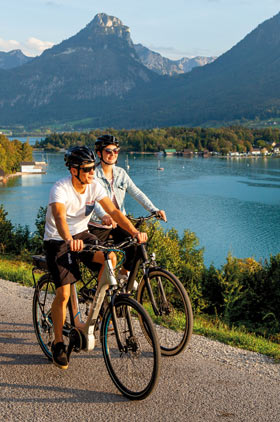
{"x":222,"y":140}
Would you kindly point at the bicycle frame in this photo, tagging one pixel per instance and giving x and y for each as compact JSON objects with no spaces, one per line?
{"x":107,"y":281}
{"x":107,"y":285}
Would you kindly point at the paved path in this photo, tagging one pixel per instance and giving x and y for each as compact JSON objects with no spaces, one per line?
{"x":209,"y":382}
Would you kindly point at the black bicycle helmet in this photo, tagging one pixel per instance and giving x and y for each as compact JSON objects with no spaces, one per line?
{"x":79,"y":155}
{"x":105,"y":140}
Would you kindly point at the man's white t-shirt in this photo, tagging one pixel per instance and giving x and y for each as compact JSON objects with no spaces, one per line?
{"x":78,"y":206}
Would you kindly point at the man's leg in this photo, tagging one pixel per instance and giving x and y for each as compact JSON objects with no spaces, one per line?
{"x":58,"y":313}
{"x":59,"y":308}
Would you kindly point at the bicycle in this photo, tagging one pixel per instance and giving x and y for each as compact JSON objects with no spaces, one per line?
{"x":131,"y":356}
{"x":164,"y":297}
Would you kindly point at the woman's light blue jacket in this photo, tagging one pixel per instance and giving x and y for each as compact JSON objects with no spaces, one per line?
{"x":122,"y":183}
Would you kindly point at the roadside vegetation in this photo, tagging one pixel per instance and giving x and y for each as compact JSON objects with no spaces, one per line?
{"x":237,"y":304}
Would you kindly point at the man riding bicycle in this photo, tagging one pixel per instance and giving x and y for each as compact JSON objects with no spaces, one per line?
{"x":71,"y":202}
{"x":116,"y":182}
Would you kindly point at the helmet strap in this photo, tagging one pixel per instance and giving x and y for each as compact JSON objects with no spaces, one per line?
{"x":78,"y":176}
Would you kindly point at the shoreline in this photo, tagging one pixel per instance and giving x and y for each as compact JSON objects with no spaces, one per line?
{"x":4,"y":179}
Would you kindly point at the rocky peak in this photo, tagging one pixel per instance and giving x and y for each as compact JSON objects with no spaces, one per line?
{"x":103,"y":24}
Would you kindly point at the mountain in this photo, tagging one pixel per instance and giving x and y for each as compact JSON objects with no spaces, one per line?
{"x":13,"y":59}
{"x":85,"y":75}
{"x":243,"y":83}
{"x":96,"y":79}
{"x":164,"y":66}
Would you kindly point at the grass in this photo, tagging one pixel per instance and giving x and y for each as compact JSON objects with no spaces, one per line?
{"x":219,"y":331}
{"x":16,"y":270}
{"x":237,"y":337}
{"x":21,"y":272}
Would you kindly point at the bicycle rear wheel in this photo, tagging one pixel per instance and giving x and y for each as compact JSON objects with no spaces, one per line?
{"x":133,"y":366}
{"x":172,"y":313}
{"x":41,"y":310}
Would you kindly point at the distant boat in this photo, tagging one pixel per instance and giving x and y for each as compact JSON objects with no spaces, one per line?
{"x":126,"y":163}
{"x":158,"y":167}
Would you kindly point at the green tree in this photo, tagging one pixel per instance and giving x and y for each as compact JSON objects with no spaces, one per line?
{"x":6,"y":230}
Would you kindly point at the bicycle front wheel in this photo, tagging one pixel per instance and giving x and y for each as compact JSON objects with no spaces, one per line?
{"x":170,"y":309}
{"x":133,"y":362}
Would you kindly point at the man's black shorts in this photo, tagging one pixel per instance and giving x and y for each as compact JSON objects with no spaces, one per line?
{"x":62,"y":263}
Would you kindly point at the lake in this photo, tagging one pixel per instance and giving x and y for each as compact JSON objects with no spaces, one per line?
{"x":232,"y":205}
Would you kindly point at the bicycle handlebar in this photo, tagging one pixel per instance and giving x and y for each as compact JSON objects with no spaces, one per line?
{"x":140,"y":220}
{"x":89,"y":247}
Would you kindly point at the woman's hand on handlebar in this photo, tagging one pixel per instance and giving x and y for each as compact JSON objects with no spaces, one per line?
{"x":107,"y":220}
{"x":161,"y":215}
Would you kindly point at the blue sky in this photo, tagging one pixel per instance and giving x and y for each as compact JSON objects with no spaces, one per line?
{"x":175,"y":29}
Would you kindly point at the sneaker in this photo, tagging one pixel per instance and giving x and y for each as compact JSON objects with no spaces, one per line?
{"x":59,"y":355}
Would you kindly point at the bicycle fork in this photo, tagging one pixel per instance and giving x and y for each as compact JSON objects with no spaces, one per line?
{"x":156,"y":310}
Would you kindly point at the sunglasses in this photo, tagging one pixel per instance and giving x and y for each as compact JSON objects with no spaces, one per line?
{"x":112,"y":151}
{"x":87,"y":169}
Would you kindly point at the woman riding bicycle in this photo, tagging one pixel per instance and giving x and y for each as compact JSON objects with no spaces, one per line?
{"x":116,"y":182}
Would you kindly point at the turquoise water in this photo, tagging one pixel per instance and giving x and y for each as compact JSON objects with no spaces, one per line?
{"x":231,"y":204}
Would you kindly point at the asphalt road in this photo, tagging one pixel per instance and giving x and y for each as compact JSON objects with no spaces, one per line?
{"x":208,"y":382}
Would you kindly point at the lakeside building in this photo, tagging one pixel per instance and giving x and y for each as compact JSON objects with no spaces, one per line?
{"x":170,"y":151}
{"x":276,"y":148}
{"x":34,"y":167}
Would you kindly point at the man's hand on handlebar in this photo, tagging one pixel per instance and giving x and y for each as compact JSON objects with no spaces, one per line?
{"x":75,"y":245}
{"x":142,"y":237}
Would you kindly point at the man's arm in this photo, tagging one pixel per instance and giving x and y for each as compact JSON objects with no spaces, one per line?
{"x":59,"y":213}
{"x":122,"y":220}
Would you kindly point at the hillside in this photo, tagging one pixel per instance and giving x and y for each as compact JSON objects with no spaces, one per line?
{"x":83,"y":76}
{"x":243,"y":83}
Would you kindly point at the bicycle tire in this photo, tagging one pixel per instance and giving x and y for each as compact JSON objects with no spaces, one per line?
{"x":174,"y":323}
{"x":41,"y":311}
{"x":134,"y":370}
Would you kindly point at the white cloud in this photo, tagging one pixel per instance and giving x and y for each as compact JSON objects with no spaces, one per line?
{"x":32,"y":47}
{"x":35,"y":47}
{"x":8,"y":45}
